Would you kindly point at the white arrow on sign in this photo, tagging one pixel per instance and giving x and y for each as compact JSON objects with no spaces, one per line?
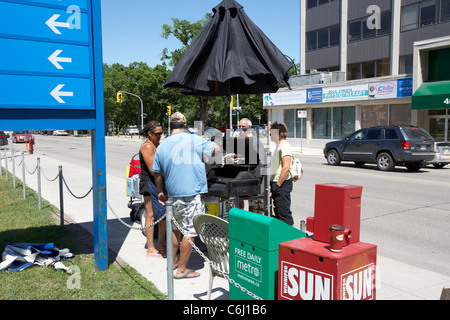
{"x":57,"y":94}
{"x":52,"y":23}
{"x":55,"y":59}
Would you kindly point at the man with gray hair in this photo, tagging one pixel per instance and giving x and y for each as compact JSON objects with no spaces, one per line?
{"x":244,"y":128}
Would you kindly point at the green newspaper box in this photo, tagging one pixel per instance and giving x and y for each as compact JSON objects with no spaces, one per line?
{"x":254,"y":240}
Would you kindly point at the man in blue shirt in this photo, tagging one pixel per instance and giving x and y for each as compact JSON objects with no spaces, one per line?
{"x":180,"y":159}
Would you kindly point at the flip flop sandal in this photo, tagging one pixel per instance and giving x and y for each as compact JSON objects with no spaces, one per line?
{"x":186,"y":275}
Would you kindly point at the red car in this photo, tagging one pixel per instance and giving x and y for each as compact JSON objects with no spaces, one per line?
{"x":21,"y":136}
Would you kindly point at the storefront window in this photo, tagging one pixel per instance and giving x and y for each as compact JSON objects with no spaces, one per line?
{"x":321,"y":123}
{"x":400,"y":115}
{"x":333,"y":123}
{"x":376,"y":115}
{"x":439,"y":122}
{"x":343,"y":121}
{"x":289,"y":116}
{"x":300,"y":125}
{"x":295,"y":124}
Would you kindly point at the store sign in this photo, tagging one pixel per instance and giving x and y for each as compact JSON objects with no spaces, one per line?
{"x":285,"y":98}
{"x":389,"y":89}
{"x":404,"y":87}
{"x":314,"y":95}
{"x":345,"y":93}
{"x":383,"y":90}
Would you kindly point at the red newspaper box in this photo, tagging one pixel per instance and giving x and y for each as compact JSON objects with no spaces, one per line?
{"x":339,"y":204}
{"x":308,"y":270}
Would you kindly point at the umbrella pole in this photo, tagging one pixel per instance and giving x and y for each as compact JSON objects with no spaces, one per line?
{"x":229,"y":113}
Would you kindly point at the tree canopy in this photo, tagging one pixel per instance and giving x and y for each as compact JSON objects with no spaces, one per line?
{"x":147,"y":83}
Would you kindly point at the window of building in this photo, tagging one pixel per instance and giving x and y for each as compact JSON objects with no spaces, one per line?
{"x":322,"y":38}
{"x":368,"y":70}
{"x":406,"y":64}
{"x":311,"y":40}
{"x":332,"y":123}
{"x":400,"y":115}
{"x":383,"y":67}
{"x":445,"y":10}
{"x":321,"y":2}
{"x":321,"y":123}
{"x":354,"y":30}
{"x":374,"y":115}
{"x":385,"y":24}
{"x":311,"y":4}
{"x":410,"y":17}
{"x":343,"y":121}
{"x":428,"y":12}
{"x":368,"y":33}
{"x":335,"y":35}
{"x":354,"y":71}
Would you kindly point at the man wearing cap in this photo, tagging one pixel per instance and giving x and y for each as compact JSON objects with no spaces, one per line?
{"x":180,"y":159}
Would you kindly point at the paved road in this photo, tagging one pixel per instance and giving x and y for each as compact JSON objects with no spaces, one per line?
{"x":405,"y":213}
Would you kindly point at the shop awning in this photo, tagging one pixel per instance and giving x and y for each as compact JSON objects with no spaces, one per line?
{"x":432,"y":95}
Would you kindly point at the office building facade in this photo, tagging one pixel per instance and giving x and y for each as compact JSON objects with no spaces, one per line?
{"x":359,"y":69}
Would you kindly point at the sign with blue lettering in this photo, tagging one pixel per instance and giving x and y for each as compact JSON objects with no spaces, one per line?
{"x":404,"y":87}
{"x":51,"y":77}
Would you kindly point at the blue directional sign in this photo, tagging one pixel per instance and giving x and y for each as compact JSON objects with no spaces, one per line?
{"x":51,"y":77}
{"x":44,"y":58}
{"x":43,"y":41}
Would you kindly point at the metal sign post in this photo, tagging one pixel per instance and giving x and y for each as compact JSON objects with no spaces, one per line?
{"x":51,"y":77}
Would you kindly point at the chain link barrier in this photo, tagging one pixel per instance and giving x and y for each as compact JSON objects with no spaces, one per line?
{"x":133,"y":227}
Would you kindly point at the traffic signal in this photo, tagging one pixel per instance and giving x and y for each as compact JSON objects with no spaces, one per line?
{"x":169,"y":110}
{"x":119,"y":97}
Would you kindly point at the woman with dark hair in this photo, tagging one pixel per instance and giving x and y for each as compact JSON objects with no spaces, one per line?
{"x":281,"y":182}
{"x":154,"y":210}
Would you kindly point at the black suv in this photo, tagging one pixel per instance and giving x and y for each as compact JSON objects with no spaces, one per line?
{"x":386,"y":146}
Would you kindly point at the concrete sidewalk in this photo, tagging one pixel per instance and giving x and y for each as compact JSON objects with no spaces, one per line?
{"x":395,"y":280}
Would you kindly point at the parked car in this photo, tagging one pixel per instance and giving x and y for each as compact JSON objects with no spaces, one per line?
{"x":60,"y":133}
{"x":442,"y":156}
{"x":21,"y":136}
{"x":131,"y":130}
{"x":386,"y":146}
{"x":3,"y":139}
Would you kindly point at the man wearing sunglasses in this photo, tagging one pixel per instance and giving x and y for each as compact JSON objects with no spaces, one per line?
{"x":244,"y":128}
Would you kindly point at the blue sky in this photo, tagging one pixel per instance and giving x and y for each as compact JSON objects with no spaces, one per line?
{"x":132,"y":28}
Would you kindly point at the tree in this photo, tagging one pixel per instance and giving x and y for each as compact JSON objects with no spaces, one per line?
{"x":185,"y":31}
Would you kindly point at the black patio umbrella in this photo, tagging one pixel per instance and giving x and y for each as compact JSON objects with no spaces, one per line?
{"x":230,"y":55}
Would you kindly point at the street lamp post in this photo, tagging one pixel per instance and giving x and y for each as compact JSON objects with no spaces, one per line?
{"x":142,"y":107}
